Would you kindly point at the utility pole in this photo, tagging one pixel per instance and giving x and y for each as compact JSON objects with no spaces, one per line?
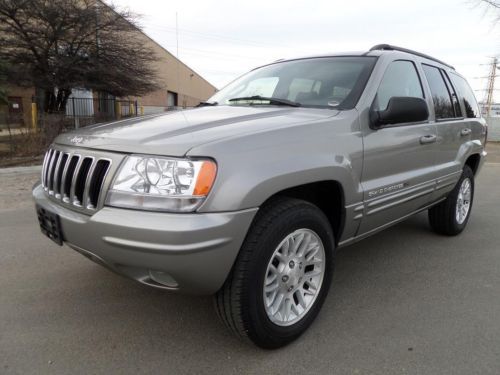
{"x":177,"y":56}
{"x":490,"y":88}
{"x":177,"y":33}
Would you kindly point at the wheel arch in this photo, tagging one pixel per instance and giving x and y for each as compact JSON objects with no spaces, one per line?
{"x":327,"y":195}
{"x":473,"y":162}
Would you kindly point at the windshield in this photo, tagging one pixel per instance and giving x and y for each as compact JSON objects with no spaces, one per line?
{"x":326,"y":82}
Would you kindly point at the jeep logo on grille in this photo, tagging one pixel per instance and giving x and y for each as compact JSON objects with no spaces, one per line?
{"x":76,"y":140}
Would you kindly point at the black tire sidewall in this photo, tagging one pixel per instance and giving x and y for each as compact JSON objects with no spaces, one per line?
{"x":467,"y":173}
{"x":263,"y":330}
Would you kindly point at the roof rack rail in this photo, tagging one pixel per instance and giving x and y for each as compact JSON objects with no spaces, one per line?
{"x":388,"y":47}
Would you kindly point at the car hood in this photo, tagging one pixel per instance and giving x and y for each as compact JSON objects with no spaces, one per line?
{"x":175,"y":133}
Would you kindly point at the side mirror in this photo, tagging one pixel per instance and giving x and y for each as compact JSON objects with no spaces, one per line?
{"x":400,"y":109}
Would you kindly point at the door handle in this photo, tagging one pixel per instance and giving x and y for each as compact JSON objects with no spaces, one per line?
{"x":426,"y":139}
{"x":465,"y":131}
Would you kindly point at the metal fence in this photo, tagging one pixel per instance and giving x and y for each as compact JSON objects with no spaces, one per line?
{"x":26,"y":130}
{"x":493,"y":128}
{"x":85,"y":111}
{"x":23,"y":112}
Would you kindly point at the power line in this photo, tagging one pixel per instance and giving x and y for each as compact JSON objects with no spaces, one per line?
{"x":220,"y":37}
{"x":215,"y":53}
{"x":240,"y":41}
{"x":488,"y":76}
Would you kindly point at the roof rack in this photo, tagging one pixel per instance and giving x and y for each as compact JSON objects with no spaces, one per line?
{"x":388,"y":47}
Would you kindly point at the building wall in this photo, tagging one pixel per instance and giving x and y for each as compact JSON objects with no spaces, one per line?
{"x":175,"y":76}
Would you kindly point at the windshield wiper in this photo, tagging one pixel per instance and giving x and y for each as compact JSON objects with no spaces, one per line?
{"x":275,"y":101}
{"x":207,"y":104}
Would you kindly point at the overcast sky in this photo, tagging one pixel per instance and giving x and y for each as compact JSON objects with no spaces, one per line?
{"x":222,"y":39}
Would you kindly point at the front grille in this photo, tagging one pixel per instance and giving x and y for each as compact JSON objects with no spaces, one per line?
{"x":75,"y":179}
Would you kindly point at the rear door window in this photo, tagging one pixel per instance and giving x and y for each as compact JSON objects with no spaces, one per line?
{"x":441,"y":95}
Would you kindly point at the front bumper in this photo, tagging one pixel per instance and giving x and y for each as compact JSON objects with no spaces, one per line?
{"x":189,"y":253}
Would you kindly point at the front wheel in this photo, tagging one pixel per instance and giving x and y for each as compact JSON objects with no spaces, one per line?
{"x":451,"y":216}
{"x":282,"y":274}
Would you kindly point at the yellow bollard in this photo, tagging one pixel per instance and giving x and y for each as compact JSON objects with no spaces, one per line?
{"x":34,"y":116}
{"x":142,"y":110}
{"x":118,"y":110}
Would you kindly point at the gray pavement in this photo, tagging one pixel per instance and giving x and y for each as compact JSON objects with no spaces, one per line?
{"x":405,"y":301}
{"x":493,"y":149}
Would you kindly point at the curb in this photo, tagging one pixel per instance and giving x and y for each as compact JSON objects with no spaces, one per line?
{"x":21,"y":170}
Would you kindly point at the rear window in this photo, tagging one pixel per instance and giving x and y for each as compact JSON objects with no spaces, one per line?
{"x":466,"y":96}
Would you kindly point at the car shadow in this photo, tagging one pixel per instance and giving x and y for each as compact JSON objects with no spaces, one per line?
{"x":180,"y":318}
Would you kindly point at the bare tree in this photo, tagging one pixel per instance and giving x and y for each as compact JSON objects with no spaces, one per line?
{"x":58,"y":45}
{"x":491,"y":8}
{"x":492,"y":3}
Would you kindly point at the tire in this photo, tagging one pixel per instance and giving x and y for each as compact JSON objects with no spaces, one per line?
{"x":240,"y":303}
{"x":443,"y":217}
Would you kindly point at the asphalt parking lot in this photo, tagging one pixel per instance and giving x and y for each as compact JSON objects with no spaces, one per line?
{"x":405,"y":301}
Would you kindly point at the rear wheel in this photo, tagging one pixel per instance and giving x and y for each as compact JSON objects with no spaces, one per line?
{"x":451,"y":216}
{"x":282,"y":274}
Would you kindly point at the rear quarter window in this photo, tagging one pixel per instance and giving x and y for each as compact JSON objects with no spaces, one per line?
{"x":466,"y":96}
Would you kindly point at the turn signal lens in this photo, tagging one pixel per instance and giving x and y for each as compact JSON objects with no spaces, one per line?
{"x":206,"y":177}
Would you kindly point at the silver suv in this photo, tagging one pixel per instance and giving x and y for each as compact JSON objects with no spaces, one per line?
{"x":249,"y":196}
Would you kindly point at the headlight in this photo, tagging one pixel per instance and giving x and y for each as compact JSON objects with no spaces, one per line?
{"x":162,"y":184}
